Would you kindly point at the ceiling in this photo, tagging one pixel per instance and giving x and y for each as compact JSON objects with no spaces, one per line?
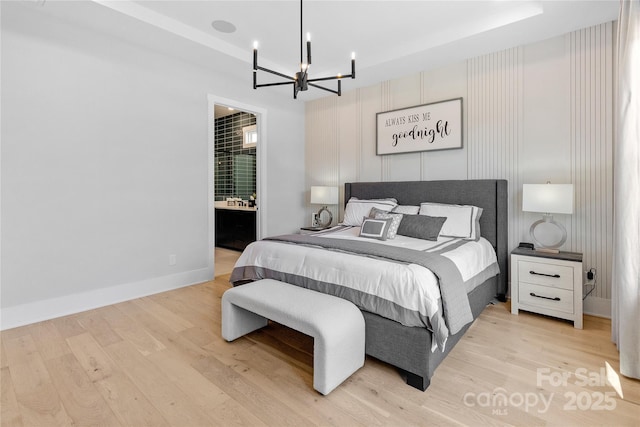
{"x":390,"y":38}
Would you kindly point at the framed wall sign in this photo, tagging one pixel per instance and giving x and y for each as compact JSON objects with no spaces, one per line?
{"x":428,"y":127}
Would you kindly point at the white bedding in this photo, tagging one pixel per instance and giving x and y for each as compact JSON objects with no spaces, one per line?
{"x":409,"y":287}
{"x":471,"y":258}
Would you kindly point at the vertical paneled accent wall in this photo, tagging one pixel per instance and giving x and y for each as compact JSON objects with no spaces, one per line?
{"x":495,"y":124}
{"x":322,"y":156}
{"x":530,"y":114}
{"x":592,"y":148}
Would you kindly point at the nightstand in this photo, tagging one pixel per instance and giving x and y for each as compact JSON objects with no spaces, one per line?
{"x":310,"y":230}
{"x":547,"y":283}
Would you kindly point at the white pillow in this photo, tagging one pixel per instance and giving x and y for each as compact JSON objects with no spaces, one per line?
{"x":357,"y":209}
{"x":462,"y":220}
{"x":407,"y":209}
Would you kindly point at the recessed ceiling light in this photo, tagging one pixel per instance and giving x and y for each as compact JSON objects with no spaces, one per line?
{"x":223,"y":26}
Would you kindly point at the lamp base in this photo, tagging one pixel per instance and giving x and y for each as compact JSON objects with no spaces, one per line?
{"x":327,"y":223}
{"x":552,"y":248}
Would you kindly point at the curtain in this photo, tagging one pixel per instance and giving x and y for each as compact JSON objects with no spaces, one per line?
{"x":625,"y":304}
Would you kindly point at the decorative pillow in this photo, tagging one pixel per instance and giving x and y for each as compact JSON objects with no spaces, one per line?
{"x":376,"y":211}
{"x":421,"y":226}
{"x":395,"y":222}
{"x":357,"y":209}
{"x":375,"y":228}
{"x":406,"y":209}
{"x":462,"y":220}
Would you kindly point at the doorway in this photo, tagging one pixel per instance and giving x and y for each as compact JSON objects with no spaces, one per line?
{"x":237,"y":146}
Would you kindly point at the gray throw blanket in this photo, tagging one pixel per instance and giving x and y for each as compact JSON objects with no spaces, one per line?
{"x":456,"y":308}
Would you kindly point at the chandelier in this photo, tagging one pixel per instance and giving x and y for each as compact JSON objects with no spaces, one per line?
{"x":301,"y":81}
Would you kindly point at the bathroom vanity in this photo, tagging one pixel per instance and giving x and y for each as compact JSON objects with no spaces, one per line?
{"x":235,"y":226}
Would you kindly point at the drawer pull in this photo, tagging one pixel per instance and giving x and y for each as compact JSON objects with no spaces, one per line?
{"x":557,"y":276}
{"x":540,"y":296}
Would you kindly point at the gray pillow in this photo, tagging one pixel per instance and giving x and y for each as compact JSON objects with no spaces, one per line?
{"x":395,"y":223}
{"x":421,"y":226}
{"x":375,"y":211}
{"x":375,"y":228}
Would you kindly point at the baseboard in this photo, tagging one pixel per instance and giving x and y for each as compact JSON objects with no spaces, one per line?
{"x":38,"y":311}
{"x":595,"y":306}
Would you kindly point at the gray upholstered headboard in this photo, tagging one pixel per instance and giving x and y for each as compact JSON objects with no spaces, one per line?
{"x":488,"y":194}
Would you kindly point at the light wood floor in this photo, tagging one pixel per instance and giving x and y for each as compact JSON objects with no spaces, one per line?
{"x":224,"y":260}
{"x":160,"y":361}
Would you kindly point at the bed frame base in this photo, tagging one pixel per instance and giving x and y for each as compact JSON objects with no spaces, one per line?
{"x":408,"y":348}
{"x":415,"y":381}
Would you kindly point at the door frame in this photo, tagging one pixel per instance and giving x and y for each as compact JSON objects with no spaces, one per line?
{"x":261,"y":168}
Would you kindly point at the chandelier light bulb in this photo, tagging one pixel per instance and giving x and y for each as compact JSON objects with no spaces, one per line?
{"x":308,"y":37}
{"x":255,"y":44}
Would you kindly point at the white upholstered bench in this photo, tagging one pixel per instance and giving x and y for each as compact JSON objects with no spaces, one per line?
{"x":336,"y":325}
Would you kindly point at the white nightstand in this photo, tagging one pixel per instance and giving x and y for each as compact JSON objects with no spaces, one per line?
{"x":311,"y":230}
{"x":547,"y":283}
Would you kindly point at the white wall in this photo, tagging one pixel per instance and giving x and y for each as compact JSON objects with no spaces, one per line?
{"x":104,"y":162}
{"x":531,"y":114}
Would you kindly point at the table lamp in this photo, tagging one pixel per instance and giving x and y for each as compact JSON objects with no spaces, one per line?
{"x":322,"y":195}
{"x":548,"y":199}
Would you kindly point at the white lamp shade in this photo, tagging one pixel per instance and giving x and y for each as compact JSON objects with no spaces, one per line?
{"x":324,"y":195}
{"x":547,"y":198}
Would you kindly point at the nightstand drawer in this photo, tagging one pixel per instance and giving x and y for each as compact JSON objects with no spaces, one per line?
{"x":545,"y":297}
{"x":545,"y":274}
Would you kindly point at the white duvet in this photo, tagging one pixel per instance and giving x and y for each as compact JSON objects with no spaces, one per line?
{"x":410,"y":286}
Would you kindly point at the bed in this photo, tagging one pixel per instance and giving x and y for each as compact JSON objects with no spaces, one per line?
{"x":415,"y":344}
